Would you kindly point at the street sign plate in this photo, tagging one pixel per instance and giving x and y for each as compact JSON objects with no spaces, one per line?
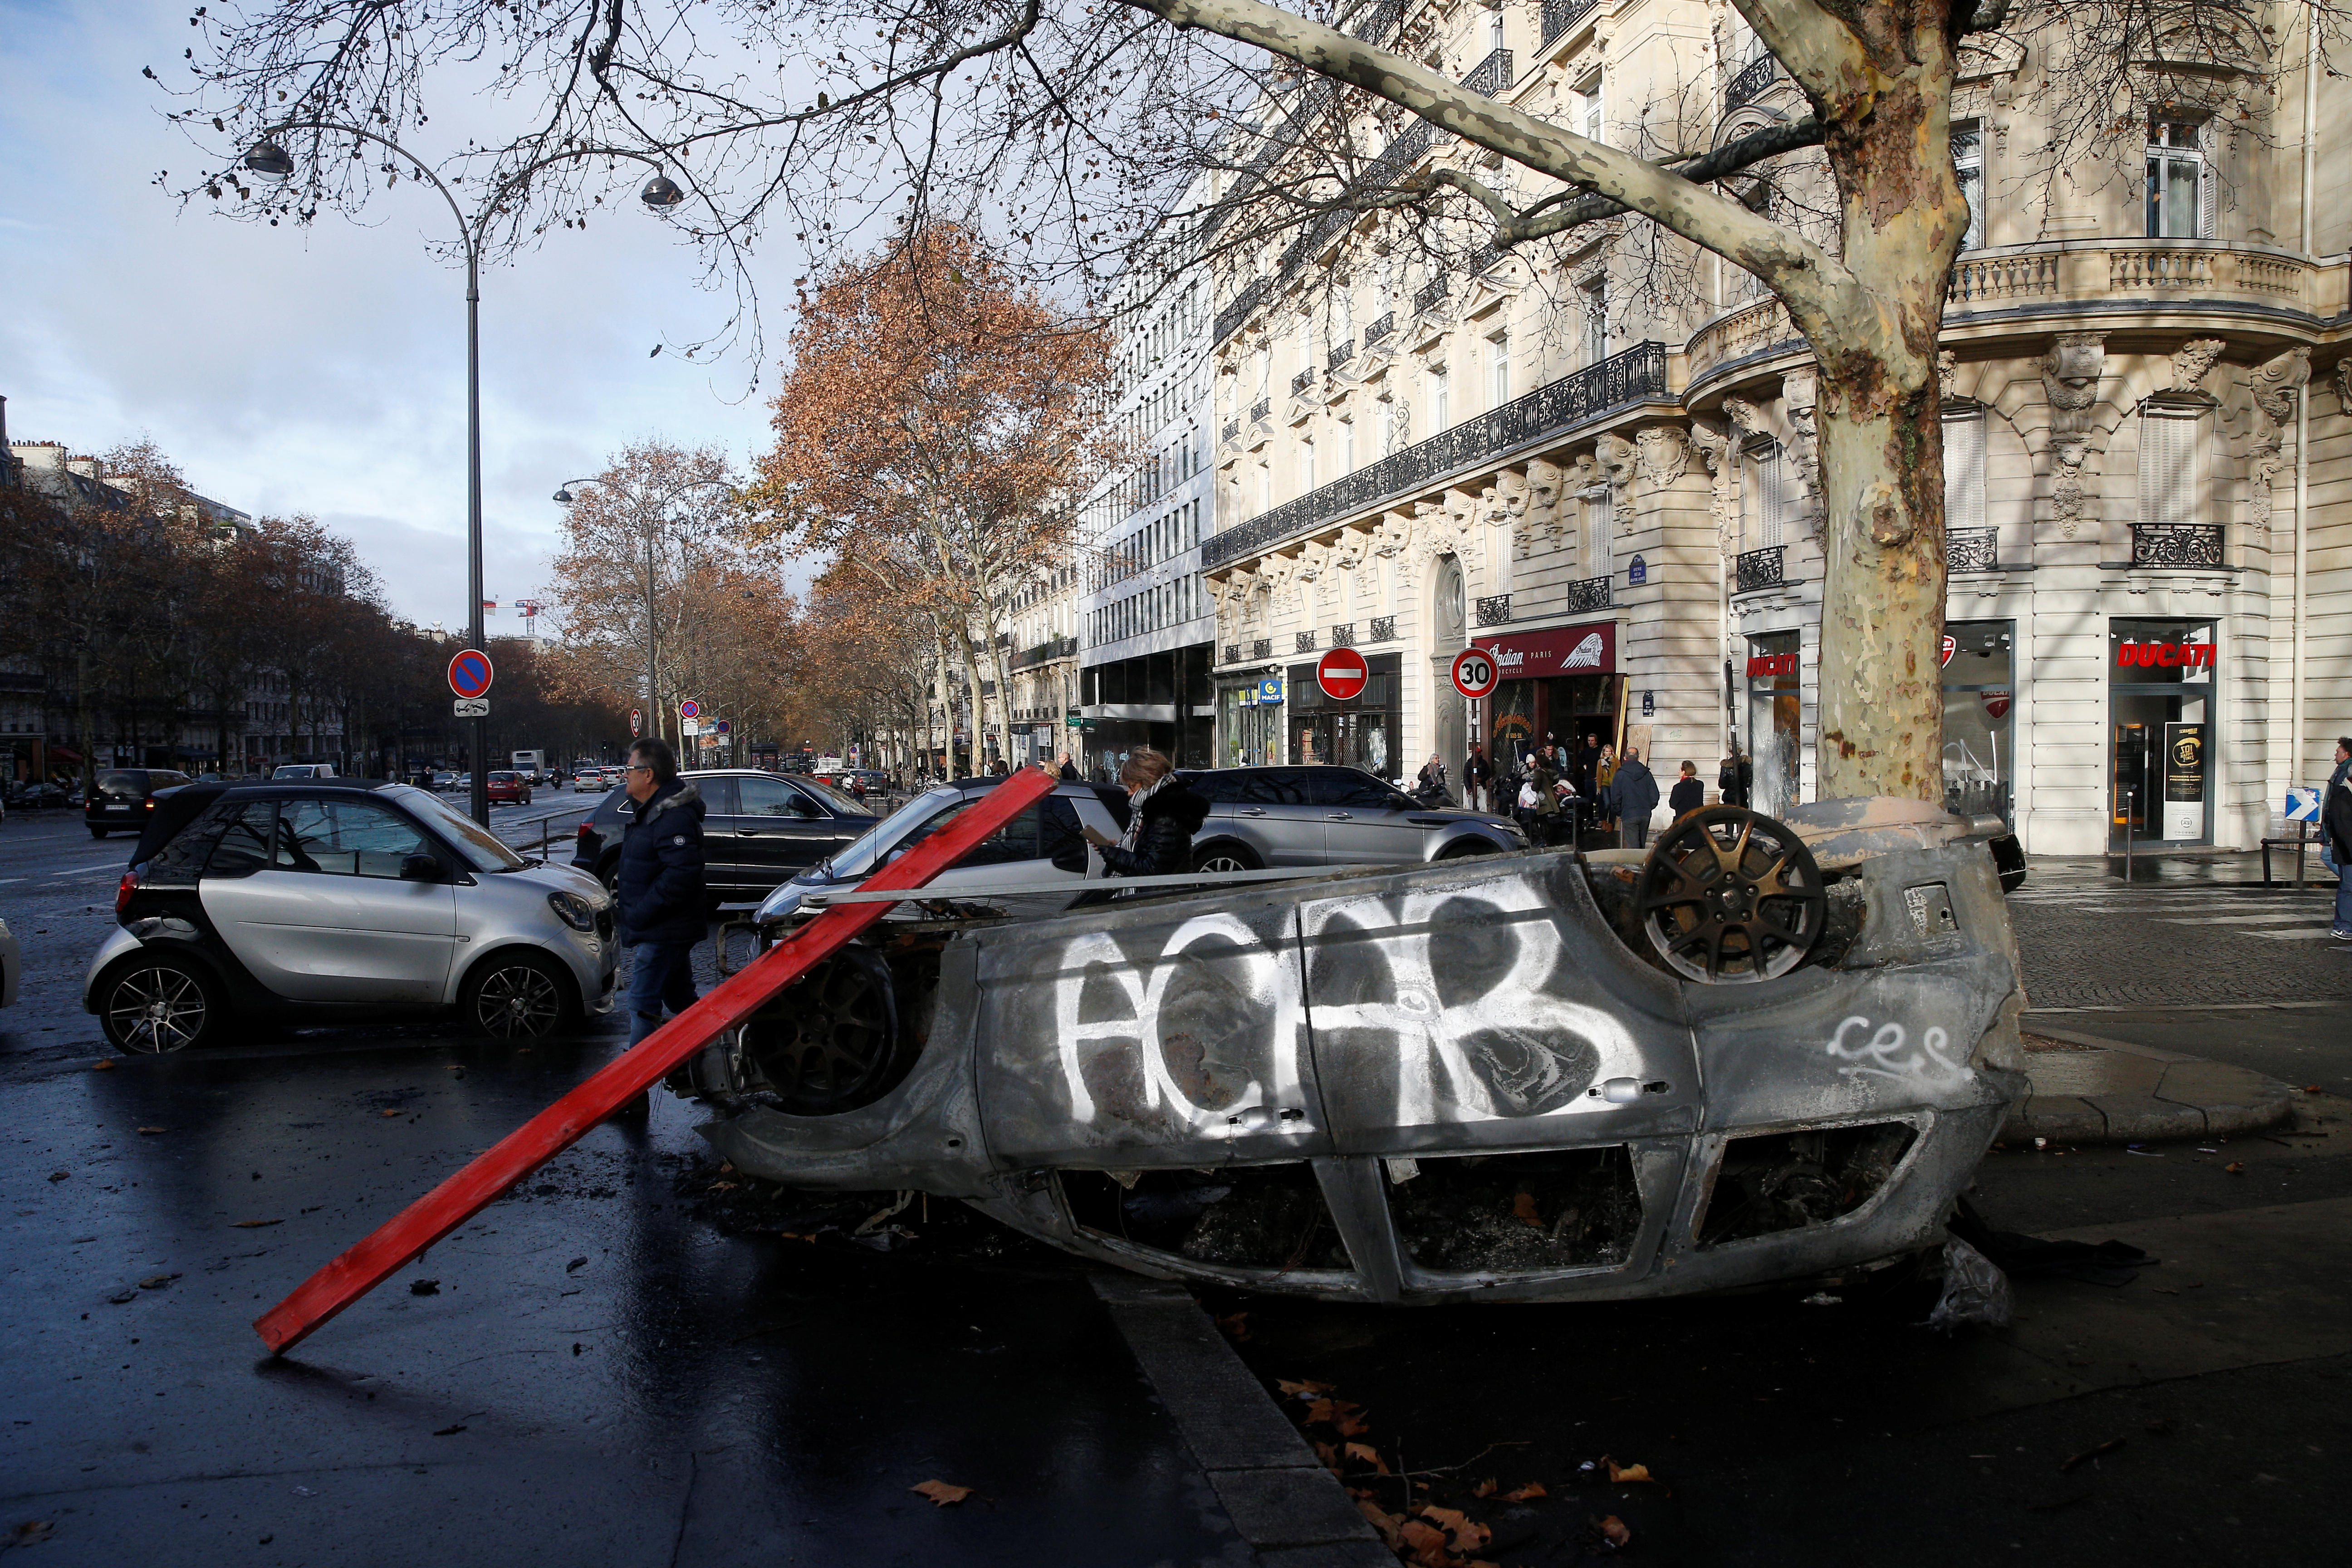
{"x":472,"y":707}
{"x":1341,"y":673}
{"x":2302,"y":805}
{"x":724,"y":726}
{"x":471,"y":672}
{"x":690,"y":709}
{"x":1475,"y":672}
{"x":1269,"y":691}
{"x":637,"y":722}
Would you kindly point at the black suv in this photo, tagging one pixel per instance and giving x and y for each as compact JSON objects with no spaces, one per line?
{"x":759,"y":828}
{"x":125,"y":798}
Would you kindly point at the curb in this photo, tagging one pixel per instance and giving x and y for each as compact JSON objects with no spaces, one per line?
{"x":2149,"y":1094}
{"x":1293,"y":1512}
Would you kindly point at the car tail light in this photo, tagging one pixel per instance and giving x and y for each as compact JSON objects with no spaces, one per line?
{"x":123,"y":894}
{"x":587,"y":839}
{"x":151,"y":802}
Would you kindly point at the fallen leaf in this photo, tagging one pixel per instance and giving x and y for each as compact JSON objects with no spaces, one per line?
{"x":2087,"y":1455}
{"x":34,"y":1530}
{"x":156,"y":1281}
{"x":393,"y":1112}
{"x":59,"y":1175}
{"x":1468,"y":1533}
{"x":1381,"y":1520}
{"x":1425,"y":1542}
{"x":1331,"y":1413}
{"x":2236,"y":1167}
{"x":1484,"y":1489}
{"x":1527,"y":1493}
{"x":1303,"y":1388}
{"x":575,"y":1263}
{"x":941,"y":1493}
{"x":2307,"y":1088}
{"x":1330,"y":1456}
{"x":1236,"y":1325}
{"x":1619,"y":1475}
{"x":256,"y":1224}
{"x":450,"y":1431}
{"x":1523,"y":1209}
{"x":1368,"y":1454}
{"x":105,"y":1066}
{"x":1613,"y":1530}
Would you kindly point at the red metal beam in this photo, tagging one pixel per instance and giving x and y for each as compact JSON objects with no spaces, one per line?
{"x":446,"y":1207}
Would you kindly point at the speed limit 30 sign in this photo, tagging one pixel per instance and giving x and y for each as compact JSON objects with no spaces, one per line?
{"x":1474,"y":672}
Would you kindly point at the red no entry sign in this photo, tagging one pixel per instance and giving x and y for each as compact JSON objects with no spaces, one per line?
{"x":1341,"y":673}
{"x":471,"y":672}
{"x":1475,"y":672}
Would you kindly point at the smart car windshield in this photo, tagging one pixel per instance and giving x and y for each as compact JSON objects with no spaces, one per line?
{"x":468,"y":837}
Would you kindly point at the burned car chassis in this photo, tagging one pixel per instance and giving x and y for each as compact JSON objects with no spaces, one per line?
{"x":1468,"y":1080}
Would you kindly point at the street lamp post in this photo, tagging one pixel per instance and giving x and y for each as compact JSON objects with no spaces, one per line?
{"x":272,"y":162}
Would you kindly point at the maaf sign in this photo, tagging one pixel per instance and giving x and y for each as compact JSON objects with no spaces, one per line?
{"x":2164,"y":656}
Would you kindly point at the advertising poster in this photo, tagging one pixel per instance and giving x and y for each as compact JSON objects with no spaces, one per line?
{"x":2184,"y":781}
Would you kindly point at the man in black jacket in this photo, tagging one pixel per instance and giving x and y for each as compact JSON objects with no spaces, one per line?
{"x":1158,"y":837}
{"x":1633,"y":796}
{"x":2335,"y":827}
{"x":665,"y":902}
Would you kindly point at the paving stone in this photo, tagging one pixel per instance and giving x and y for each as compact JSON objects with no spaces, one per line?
{"x":1289,"y":1507}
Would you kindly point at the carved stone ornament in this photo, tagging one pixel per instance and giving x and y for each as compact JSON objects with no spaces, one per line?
{"x":1714,"y":449}
{"x":1616,"y":456}
{"x":2344,"y":386}
{"x":1664,"y":454}
{"x":1746,"y":419}
{"x":1948,"y":370}
{"x":1542,"y":519}
{"x":2066,"y":494}
{"x":2191,"y":360}
{"x":2275,"y":386}
{"x":2070,"y":380}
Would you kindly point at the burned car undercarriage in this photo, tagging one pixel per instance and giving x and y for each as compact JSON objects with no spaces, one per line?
{"x":1765,"y":1051}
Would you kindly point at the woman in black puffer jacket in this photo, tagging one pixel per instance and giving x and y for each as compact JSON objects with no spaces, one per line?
{"x":1159,"y":838}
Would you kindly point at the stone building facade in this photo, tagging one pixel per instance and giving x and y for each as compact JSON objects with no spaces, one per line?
{"x":1611,"y":481}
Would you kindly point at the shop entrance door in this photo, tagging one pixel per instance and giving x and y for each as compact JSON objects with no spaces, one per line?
{"x":2160,"y":787}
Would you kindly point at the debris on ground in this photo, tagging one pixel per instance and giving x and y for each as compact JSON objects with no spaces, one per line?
{"x":1975,"y":1291}
{"x":424,"y":1286}
{"x":943,"y":1494}
{"x":2087,"y":1455}
{"x":734,"y":1204}
{"x":2109,"y":1263}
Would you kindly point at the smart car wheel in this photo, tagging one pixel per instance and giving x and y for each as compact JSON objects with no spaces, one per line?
{"x":1731,"y":897}
{"x":1225,"y":858}
{"x":517,"y":996}
{"x":159,"y":1004}
{"x":831,"y":1043}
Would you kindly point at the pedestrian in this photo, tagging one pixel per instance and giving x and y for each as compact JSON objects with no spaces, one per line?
{"x":1541,"y":800}
{"x":1633,"y":794}
{"x":2335,"y":836}
{"x":1166,"y":813}
{"x":1689,"y":794}
{"x":1428,"y":787}
{"x":664,"y":899}
{"x":1733,"y":783}
{"x":1604,"y":772}
{"x":1477,"y":779}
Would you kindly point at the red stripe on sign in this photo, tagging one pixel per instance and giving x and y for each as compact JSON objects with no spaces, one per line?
{"x":446,"y":1207}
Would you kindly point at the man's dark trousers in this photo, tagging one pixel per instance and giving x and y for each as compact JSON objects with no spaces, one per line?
{"x":661,"y":975}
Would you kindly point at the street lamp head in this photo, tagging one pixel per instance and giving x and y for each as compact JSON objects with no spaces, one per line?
{"x":660,"y":192}
{"x":563,"y":496}
{"x":269,"y":161}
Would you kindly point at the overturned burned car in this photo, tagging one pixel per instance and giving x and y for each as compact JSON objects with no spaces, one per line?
{"x":1767,"y":1050}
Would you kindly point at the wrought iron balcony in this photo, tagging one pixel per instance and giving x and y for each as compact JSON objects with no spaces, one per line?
{"x":1490,"y":75}
{"x":1305,"y":642}
{"x":1302,"y":380}
{"x":1262,"y":648}
{"x":1550,"y":410}
{"x":1756,"y":569}
{"x":1339,"y":353}
{"x":1384,"y":629}
{"x":2176,"y":544}
{"x":1239,"y":309}
{"x":1047,"y":652}
{"x":1379,"y":330}
{"x":1750,"y":83}
{"x":1377,"y":22}
{"x":1559,"y":16}
{"x":1495,"y":611}
{"x":1260,"y":411}
{"x":1427,"y":296}
{"x":1972,"y":550}
{"x":1588,"y":593}
{"x":1344,"y":636}
{"x":1232,"y":654}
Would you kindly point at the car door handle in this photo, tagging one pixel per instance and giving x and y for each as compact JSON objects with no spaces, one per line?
{"x":1339,"y":816}
{"x":1251,"y":811}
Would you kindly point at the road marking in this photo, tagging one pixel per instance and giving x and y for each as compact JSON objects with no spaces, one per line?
{"x":2235,"y":921}
{"x":2322,"y":934}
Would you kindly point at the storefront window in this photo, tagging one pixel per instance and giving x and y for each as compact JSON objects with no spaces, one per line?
{"x":1775,"y":719}
{"x":1250,"y":725}
{"x":1979,"y":696}
{"x":1363,"y":733}
{"x":1558,"y":686}
{"x":2160,"y":686}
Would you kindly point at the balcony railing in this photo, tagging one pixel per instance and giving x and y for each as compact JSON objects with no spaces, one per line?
{"x":1302,"y":380}
{"x":1431,"y":292}
{"x":1384,"y":629}
{"x":1262,"y":648}
{"x":1239,"y":309}
{"x":1378,"y":22}
{"x":1339,"y":353}
{"x":1047,"y":652}
{"x":1559,"y":16}
{"x":1304,"y":642}
{"x":1588,"y":593}
{"x":1233,"y":429}
{"x":1550,"y":410}
{"x":1491,"y":76}
{"x":1754,"y":569}
{"x":1495,"y":611}
{"x":1754,"y":76}
{"x":1260,"y":411}
{"x":1232,"y":654}
{"x":2176,"y":544}
{"x":1972,"y":550}
{"x":1378,"y":331}
{"x":1344,"y":636}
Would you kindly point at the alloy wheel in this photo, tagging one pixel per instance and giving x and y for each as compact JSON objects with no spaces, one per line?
{"x":1224,"y":860}
{"x":156,"y":1010}
{"x":518,"y":1001}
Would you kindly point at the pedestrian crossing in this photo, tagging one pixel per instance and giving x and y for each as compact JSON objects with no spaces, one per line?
{"x":2265,"y":914}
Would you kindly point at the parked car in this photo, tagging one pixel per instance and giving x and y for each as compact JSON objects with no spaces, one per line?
{"x":12,"y":965}
{"x":303,"y":771}
{"x":1328,"y":816}
{"x":1764,"y":1051}
{"x":328,"y":902}
{"x":759,"y":828}
{"x":512,"y":788}
{"x":126,"y":798}
{"x":40,"y":796}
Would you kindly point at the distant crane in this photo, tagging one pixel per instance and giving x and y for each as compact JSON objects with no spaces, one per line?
{"x":530,"y":608}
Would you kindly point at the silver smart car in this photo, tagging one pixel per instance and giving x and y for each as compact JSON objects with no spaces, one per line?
{"x":330,"y":902}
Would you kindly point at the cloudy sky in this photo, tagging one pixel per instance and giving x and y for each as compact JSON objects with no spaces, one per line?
{"x":322,"y":371}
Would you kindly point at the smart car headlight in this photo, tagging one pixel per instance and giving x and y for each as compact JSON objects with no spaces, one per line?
{"x":573,"y":910}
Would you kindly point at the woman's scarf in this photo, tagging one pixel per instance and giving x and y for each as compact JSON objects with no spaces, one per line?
{"x":1134,"y":833}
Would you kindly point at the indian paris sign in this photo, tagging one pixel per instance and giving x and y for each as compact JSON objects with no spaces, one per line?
{"x":1589,"y":649}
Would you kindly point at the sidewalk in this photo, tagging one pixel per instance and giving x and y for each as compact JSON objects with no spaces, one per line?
{"x":2091,"y":1090}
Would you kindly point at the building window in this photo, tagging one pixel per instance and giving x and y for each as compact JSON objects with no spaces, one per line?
{"x":1346,"y":446}
{"x":1495,"y":29}
{"x":1305,"y":466}
{"x":1599,"y":551}
{"x":1595,"y":121}
{"x":1964,"y":469}
{"x":1763,"y":492}
{"x":1968,"y":163}
{"x":2180,"y":180}
{"x":1595,"y":297}
{"x":2168,"y":466}
{"x":1439,"y":419}
{"x":1388,"y":426}
{"x":1498,"y":369}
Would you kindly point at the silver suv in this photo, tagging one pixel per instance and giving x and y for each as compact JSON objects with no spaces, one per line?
{"x":341,"y":902}
{"x":1323,"y":816}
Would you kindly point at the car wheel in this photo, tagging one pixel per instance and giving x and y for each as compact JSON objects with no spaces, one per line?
{"x":516,"y":996}
{"x":1226,"y":858}
{"x":97,"y":833}
{"x":157,"y":1004}
{"x":1466,"y":847}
